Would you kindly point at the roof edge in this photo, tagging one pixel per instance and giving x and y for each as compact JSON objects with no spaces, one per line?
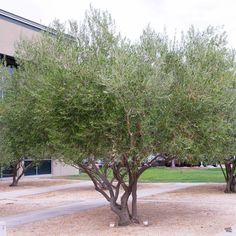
{"x":23,"y":20}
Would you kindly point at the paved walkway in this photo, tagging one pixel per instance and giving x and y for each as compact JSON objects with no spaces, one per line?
{"x":74,"y":207}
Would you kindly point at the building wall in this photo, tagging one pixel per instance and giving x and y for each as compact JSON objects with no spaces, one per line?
{"x":60,"y":169}
{"x":11,"y":32}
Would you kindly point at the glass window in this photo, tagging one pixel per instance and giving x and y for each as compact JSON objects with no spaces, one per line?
{"x":10,"y":70}
{"x":44,"y":167}
{"x":31,"y":170}
{"x":7,"y":171}
{"x":3,"y":71}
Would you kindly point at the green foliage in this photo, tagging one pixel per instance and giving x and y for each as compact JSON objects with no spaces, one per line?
{"x":194,"y":119}
{"x":96,"y":94}
{"x":22,"y":135}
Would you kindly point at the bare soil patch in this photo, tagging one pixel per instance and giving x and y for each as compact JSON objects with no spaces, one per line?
{"x":50,"y":199}
{"x":10,"y":207}
{"x":46,"y":200}
{"x":73,"y":194}
{"x":66,"y":195}
{"x":200,"y":210}
{"x":32,"y":183}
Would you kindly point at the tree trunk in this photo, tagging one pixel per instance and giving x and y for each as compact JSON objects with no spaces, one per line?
{"x":14,"y":182}
{"x":173,"y":163}
{"x":134,"y":203}
{"x":230,"y":178}
{"x":231,"y":185}
{"x":124,"y":217}
{"x":14,"y":177}
{"x":122,"y":211}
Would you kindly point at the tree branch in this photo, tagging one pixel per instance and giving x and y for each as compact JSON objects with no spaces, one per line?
{"x":93,"y":178}
{"x":116,"y":174}
{"x":223,"y":172}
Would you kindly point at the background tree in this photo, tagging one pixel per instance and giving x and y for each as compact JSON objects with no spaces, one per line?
{"x":199,"y":109}
{"x":22,"y":135}
{"x":228,"y":152}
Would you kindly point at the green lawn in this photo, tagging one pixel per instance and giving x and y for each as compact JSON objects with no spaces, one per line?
{"x":163,"y":174}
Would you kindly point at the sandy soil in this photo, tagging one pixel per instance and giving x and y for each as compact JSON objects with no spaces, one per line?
{"x":201,"y":210}
{"x":66,"y":195}
{"x":75,"y":194}
{"x":33,"y":202}
{"x":32,"y":183}
{"x":15,"y":206}
{"x":50,"y":199}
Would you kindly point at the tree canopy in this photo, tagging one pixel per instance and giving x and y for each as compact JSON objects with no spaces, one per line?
{"x":87,"y":92}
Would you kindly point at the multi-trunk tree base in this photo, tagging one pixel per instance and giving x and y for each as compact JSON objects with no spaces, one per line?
{"x":125,"y":176}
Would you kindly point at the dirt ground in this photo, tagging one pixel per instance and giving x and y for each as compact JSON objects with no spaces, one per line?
{"x":28,"y":183}
{"x":201,"y":210}
{"x":38,"y":201}
{"x":32,"y":202}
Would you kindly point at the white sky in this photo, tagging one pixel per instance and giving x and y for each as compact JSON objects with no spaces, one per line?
{"x":131,"y":16}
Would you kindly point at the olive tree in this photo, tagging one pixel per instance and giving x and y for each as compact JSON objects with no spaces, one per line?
{"x":99,"y":96}
{"x":20,"y":140}
{"x":228,"y":151}
{"x":93,"y":97}
{"x":22,"y":136}
{"x":199,"y":112}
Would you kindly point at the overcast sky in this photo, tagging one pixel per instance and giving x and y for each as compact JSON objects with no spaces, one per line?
{"x":131,"y":16}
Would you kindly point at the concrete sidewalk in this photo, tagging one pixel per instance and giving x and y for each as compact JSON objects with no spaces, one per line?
{"x":76,"y":207}
{"x":43,"y":214}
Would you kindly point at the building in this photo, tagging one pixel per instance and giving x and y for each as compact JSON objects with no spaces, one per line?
{"x":12,"y":29}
